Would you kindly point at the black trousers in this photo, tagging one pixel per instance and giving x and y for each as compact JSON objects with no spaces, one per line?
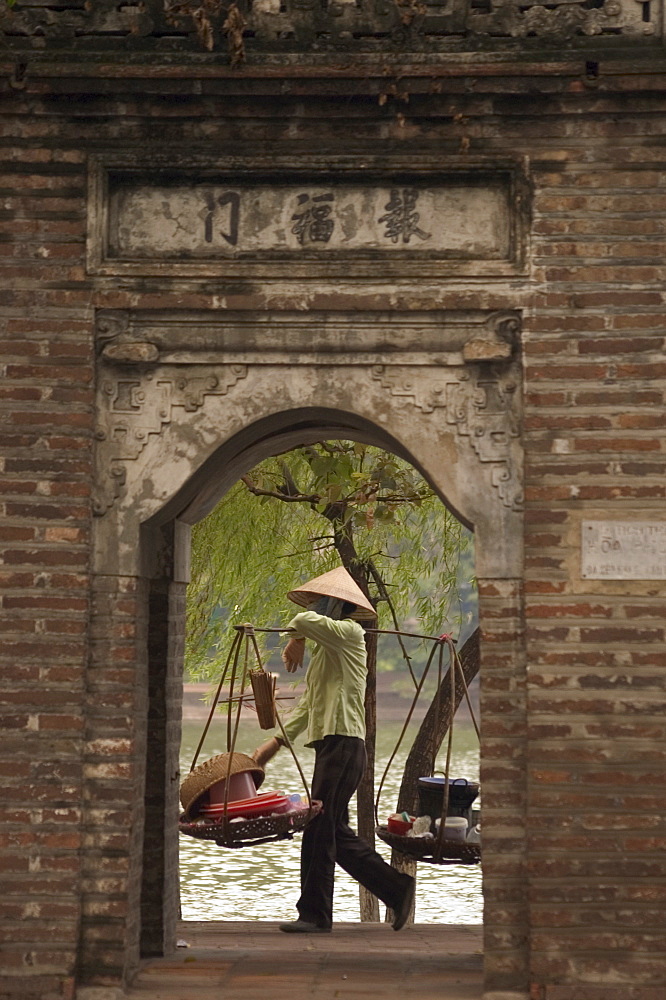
{"x":339,"y":765}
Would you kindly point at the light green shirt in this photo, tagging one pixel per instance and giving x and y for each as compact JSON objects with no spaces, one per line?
{"x":334,"y":700}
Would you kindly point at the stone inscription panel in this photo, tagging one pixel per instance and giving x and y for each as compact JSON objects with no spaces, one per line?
{"x":201,"y":220}
{"x":623,"y":550}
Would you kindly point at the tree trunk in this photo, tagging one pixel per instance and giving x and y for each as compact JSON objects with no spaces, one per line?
{"x":435,"y":726}
{"x":428,"y":741}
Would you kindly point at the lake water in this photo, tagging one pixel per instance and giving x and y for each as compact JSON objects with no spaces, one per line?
{"x":262,"y":883}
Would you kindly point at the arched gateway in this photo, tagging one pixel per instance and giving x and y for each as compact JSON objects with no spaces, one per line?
{"x":188,"y":403}
{"x":231,"y":227}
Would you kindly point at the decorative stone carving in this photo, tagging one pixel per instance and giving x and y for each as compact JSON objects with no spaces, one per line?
{"x":482,"y":409}
{"x":309,"y":26}
{"x":136,"y":406}
{"x":134,"y":352}
{"x":111,"y":323}
{"x":560,"y":20}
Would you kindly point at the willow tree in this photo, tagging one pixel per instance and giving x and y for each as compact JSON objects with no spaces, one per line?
{"x":300,"y":514}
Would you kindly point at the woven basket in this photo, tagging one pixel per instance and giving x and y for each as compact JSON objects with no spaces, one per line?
{"x":252,"y":831}
{"x":263,"y":689}
{"x":210,"y":772}
{"x":423,"y":848}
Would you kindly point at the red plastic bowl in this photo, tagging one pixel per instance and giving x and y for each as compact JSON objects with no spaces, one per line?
{"x":259,"y":805}
{"x":400,"y":826}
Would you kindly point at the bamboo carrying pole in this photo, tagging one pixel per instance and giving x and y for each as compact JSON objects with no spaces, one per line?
{"x":263,"y":687}
{"x":372,"y":631}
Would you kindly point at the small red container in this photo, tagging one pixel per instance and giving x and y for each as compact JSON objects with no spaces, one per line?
{"x":396,"y":824}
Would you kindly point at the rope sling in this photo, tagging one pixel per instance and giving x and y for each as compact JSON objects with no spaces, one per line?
{"x":225,"y":830}
{"x":230,"y":832}
{"x":434,"y":849}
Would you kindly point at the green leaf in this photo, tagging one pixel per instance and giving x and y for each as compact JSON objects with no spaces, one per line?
{"x":250,"y":551}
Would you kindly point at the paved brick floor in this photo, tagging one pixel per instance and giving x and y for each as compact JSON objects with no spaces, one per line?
{"x":255,"y":961}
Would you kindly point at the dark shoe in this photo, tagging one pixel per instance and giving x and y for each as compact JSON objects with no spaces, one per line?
{"x":402,"y":912}
{"x":303,"y":927}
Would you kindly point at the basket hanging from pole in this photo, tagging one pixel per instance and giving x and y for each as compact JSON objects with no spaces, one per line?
{"x":242,"y":831}
{"x":256,"y":830}
{"x":263,"y":689}
{"x":435,"y":849}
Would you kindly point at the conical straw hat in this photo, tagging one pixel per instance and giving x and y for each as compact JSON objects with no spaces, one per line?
{"x":337,"y":583}
{"x":210,"y":772}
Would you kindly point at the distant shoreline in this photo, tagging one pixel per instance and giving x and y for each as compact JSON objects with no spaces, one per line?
{"x":392,"y":706}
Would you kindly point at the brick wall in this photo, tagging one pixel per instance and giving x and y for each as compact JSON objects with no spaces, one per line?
{"x":594,"y":432}
{"x":45,"y":437}
{"x":503,"y":783}
{"x":114,"y":771}
{"x":593,"y":307}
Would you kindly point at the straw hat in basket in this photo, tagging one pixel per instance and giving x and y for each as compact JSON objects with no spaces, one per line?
{"x":337,"y":583}
{"x":210,"y":772}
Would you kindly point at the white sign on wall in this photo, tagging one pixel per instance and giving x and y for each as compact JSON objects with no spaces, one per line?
{"x":203,"y":220}
{"x":623,"y":550}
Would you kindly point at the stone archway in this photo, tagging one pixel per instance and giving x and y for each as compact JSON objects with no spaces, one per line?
{"x":188,"y":403}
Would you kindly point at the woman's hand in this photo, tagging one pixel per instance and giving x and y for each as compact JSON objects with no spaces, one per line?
{"x":266,"y":751}
{"x":293,"y":653}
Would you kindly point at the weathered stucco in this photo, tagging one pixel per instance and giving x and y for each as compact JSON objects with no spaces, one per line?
{"x":157,"y":424}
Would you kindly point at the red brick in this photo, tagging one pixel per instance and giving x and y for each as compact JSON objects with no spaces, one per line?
{"x":541,"y":348}
{"x":60,"y":443}
{"x":47,"y":465}
{"x":611,"y":396}
{"x":613,"y":298}
{"x":616,"y":444}
{"x":48,"y":372}
{"x":640,"y":421}
{"x":42,"y":510}
{"x":628,"y":345}
{"x":20,"y":393}
{"x":581,"y":610}
{"x":567,"y":373}
{"x":71,"y":723}
{"x":542,"y":539}
{"x":63,"y":349}
{"x":50,"y":418}
{"x":650,"y":370}
{"x":62,"y":489}
{"x":46,"y":601}
{"x":620,"y":492}
{"x":16,"y":534}
{"x":545,"y":586}
{"x":545,"y":399}
{"x":19,"y":348}
{"x":556,"y":421}
{"x":60,"y":534}
{"x":643,"y":468}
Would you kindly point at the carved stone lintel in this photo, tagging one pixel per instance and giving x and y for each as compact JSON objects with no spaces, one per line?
{"x":481,"y":409}
{"x":202,"y":339}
